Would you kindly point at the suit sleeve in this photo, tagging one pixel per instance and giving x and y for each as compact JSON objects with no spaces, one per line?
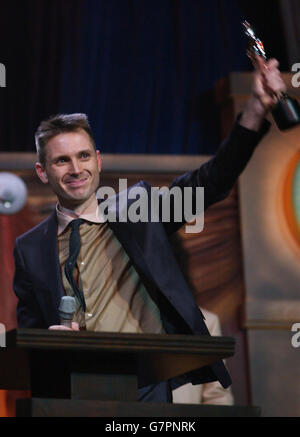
{"x":28,"y":311}
{"x":218,"y":175}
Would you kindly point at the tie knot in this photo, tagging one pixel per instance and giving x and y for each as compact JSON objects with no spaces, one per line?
{"x":74,"y":225}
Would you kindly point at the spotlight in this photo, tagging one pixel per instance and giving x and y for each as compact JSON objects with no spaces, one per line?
{"x":13,"y":193}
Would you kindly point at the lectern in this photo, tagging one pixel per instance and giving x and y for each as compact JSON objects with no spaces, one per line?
{"x":98,"y":374}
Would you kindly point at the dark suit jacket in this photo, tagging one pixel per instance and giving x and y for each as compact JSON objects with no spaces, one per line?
{"x":38,"y":284}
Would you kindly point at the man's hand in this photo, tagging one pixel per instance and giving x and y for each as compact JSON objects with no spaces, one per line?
{"x":75,"y":327}
{"x":267,"y":88}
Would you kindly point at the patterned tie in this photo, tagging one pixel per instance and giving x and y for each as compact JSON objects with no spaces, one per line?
{"x":74,"y":248}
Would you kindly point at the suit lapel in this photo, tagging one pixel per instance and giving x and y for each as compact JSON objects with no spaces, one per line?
{"x":50,"y":262}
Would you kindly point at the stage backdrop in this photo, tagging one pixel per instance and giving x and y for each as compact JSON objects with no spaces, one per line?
{"x":143,"y":71}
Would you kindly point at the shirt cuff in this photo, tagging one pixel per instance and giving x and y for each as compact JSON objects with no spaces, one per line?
{"x":254,"y":136}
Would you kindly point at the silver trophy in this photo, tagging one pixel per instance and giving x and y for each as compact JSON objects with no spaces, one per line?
{"x":286,"y":113}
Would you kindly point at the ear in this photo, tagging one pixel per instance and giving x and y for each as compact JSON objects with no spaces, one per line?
{"x":41,"y":172}
{"x":99,"y":161}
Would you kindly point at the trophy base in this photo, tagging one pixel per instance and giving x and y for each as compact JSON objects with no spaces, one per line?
{"x":287,"y":113}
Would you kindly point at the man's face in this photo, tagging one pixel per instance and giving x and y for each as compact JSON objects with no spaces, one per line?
{"x":72,"y":168}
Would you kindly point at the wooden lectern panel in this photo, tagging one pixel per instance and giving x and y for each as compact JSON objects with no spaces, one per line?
{"x":79,"y":408}
{"x":43,"y":360}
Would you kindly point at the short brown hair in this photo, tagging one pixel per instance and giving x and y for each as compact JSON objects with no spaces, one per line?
{"x":58,"y":124}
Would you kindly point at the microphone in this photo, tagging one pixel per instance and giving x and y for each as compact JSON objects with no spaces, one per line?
{"x":66,"y":310}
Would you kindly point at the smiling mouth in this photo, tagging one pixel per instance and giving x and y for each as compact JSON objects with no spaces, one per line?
{"x":76,"y":183}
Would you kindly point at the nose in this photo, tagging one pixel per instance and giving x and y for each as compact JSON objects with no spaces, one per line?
{"x":75,"y":167}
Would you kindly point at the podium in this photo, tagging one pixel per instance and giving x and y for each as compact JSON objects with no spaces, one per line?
{"x":98,"y":373}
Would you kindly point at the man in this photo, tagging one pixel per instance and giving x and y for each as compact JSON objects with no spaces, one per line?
{"x":124,"y":275}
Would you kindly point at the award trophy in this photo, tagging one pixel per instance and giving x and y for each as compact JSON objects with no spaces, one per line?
{"x":286,"y":113}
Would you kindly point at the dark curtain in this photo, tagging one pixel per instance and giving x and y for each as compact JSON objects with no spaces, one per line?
{"x":31,"y":47}
{"x":146,"y":72}
{"x":143,"y":70}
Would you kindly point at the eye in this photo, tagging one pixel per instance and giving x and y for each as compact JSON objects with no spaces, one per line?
{"x":84,"y":155}
{"x":61,"y":160}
